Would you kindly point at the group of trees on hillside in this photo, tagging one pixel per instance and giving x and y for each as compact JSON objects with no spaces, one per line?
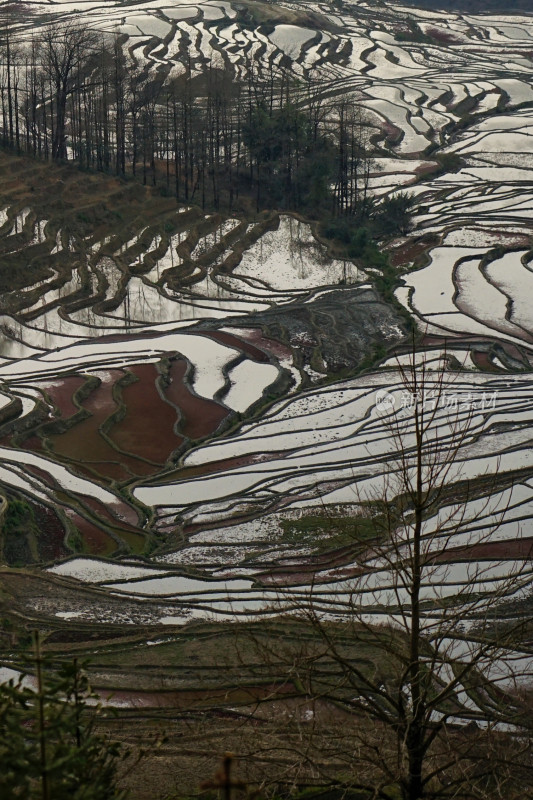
{"x":71,"y":93}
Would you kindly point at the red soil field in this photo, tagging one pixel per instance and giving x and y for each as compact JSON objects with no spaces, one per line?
{"x":51,"y":543}
{"x":147,"y":430}
{"x":33,"y":443}
{"x":103,"y":470}
{"x":97,"y":542}
{"x":426,"y":169}
{"x":407,"y":253}
{"x":510,"y":549}
{"x":119,"y":511}
{"x":83,"y":442}
{"x":61,"y":393}
{"x":272,"y":346}
{"x":483,"y":362}
{"x":240,"y":344}
{"x":199,"y":416}
{"x":230,"y":463}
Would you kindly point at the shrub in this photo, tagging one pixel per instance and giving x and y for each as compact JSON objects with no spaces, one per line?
{"x":395,"y":214}
{"x":49,"y":749}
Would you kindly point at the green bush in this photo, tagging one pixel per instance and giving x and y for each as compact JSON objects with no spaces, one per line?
{"x":449,"y":162}
{"x":394,"y":215}
{"x":16,"y":512}
{"x":358,"y":243}
{"x":49,"y":749}
{"x":340,"y":229}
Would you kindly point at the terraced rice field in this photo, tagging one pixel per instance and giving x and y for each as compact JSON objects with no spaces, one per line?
{"x":191,"y":381}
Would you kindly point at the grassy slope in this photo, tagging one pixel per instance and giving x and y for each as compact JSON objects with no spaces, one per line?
{"x":78,"y":203}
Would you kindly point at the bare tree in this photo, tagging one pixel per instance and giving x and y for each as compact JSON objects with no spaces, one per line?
{"x":66,"y":53}
{"x":419,"y":657}
{"x":445,"y":657}
{"x":353,"y":162}
{"x":11,"y":58}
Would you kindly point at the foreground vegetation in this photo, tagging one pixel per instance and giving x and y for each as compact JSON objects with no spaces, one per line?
{"x":411,"y":708}
{"x":49,"y":748}
{"x":276,"y":696}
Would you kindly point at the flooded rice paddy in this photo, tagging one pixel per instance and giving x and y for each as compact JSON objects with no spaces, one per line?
{"x":186,"y":385}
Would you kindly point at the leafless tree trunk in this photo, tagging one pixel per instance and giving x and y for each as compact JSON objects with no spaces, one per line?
{"x":414,"y":657}
{"x":66,"y":52}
